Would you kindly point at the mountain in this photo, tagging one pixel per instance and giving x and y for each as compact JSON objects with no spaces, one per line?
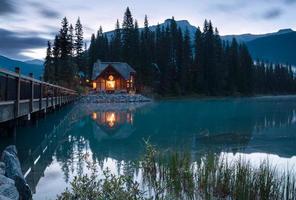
{"x":35,"y":62}
{"x":249,"y":37}
{"x":278,"y":47}
{"x":183,"y":24}
{"x":26,"y":68}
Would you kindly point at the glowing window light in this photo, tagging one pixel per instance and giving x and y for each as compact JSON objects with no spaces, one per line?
{"x":94,"y":85}
{"x":94,"y":115}
{"x":111,"y":78}
{"x":110,"y":85}
{"x":111,"y":119}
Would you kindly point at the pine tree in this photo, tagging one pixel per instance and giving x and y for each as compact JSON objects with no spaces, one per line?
{"x":136,"y":45}
{"x":56,"y":59}
{"x":78,"y":46}
{"x":99,"y":44}
{"x":198,"y":69}
{"x":186,"y":72}
{"x":145,"y":64}
{"x":65,"y":43}
{"x":92,"y":55}
{"x":233,"y":63}
{"x":67,"y":70}
{"x":115,"y":44}
{"x":49,"y":73}
{"x":127,"y":36}
{"x":246,"y":64}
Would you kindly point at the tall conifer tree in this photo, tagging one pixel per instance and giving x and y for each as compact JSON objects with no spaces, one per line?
{"x":127,"y":36}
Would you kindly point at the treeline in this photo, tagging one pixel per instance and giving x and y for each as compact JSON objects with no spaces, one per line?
{"x":274,"y":79}
{"x":66,"y":58}
{"x":169,"y":61}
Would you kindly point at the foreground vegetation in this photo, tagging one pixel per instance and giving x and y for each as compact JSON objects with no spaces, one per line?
{"x":175,"y":176}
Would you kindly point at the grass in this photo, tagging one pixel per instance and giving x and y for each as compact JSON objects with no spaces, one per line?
{"x":173,"y":175}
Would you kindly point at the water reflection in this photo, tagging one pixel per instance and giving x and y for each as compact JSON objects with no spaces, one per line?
{"x":112,"y":135}
{"x":112,"y":119}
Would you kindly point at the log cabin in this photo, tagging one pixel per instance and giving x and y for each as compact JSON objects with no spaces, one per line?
{"x":113,"y":77}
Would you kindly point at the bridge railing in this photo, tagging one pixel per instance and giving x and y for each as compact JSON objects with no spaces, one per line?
{"x":21,"y":95}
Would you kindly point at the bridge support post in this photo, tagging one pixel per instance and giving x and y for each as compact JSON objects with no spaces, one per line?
{"x":6,"y":88}
{"x":41,"y":95}
{"x":32,"y":93}
{"x":18,"y":93}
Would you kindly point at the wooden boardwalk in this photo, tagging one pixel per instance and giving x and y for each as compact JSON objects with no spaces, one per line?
{"x":21,"y":96}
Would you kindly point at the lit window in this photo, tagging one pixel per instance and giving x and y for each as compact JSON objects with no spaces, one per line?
{"x":94,"y":115}
{"x":94,"y":85}
{"x":111,"y":78}
{"x":110,"y":85}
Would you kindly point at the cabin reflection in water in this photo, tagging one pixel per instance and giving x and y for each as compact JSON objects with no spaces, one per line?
{"x":112,"y":122}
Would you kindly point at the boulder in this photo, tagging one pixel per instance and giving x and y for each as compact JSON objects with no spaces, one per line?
{"x":4,"y":180}
{"x":13,"y":171}
{"x":8,"y":191}
{"x":4,"y":197}
{"x":2,"y":168}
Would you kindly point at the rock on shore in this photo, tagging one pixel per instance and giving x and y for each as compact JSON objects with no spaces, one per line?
{"x":115,"y":98}
{"x":12,"y":182}
{"x":8,"y":190}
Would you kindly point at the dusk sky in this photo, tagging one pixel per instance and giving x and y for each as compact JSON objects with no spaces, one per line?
{"x":26,"y":25}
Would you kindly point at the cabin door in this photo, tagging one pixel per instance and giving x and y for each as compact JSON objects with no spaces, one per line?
{"x":110,"y":83}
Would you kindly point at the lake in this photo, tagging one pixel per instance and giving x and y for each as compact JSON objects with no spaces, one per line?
{"x":55,"y":149}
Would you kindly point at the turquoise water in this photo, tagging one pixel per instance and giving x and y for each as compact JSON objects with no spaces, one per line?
{"x":57,"y":148}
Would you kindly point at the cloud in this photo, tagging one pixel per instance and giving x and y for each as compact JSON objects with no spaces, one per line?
{"x":272,"y":13}
{"x":290,"y":1}
{"x":229,"y":6}
{"x":49,"y":13}
{"x":45,"y":11}
{"x":6,"y":7}
{"x":14,"y":43}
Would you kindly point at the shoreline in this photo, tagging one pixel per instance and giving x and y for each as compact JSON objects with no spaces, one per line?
{"x":204,"y":97}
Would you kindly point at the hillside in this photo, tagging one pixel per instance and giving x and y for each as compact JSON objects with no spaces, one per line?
{"x":276,"y":48}
{"x":26,"y":68}
{"x":35,"y":62}
{"x":250,"y":37}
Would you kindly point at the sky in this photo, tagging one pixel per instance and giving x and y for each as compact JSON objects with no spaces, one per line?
{"x":27,"y":25}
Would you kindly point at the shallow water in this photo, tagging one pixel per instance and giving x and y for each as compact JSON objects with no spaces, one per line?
{"x":57,"y":148}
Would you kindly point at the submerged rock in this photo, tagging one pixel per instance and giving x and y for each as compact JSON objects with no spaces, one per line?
{"x":13,"y":171}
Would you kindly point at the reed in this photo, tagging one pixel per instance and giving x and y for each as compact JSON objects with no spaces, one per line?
{"x":174,"y":175}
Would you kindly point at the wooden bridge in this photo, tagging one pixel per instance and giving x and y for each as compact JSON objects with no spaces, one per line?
{"x":21,"y":96}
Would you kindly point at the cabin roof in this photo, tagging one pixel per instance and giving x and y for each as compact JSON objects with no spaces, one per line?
{"x":122,"y":68}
